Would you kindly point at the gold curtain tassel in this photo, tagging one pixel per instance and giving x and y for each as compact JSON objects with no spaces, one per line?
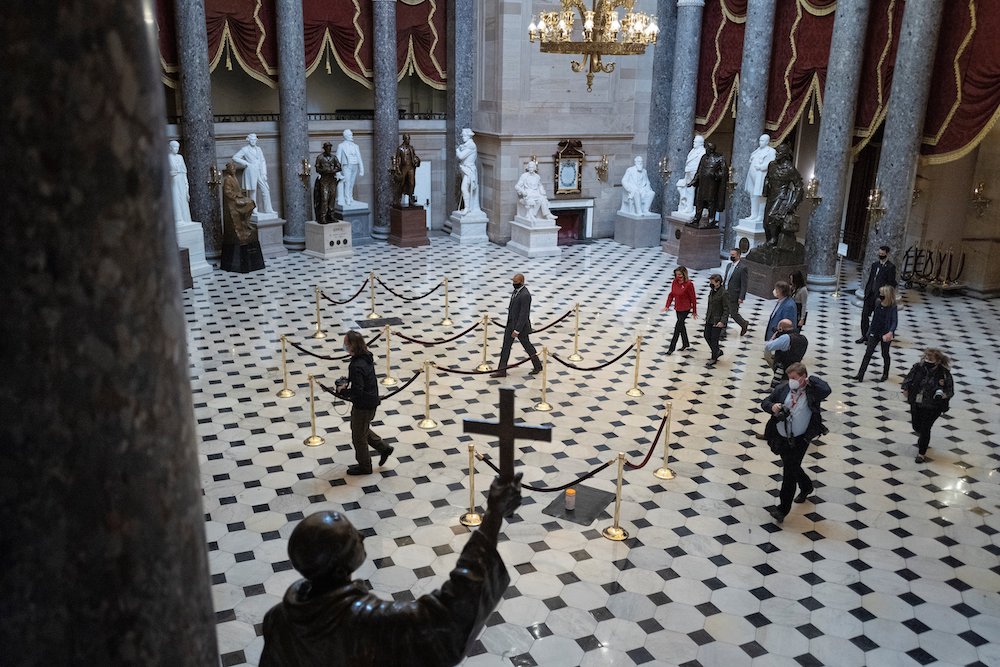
{"x":329,"y":70}
{"x":229,"y":60}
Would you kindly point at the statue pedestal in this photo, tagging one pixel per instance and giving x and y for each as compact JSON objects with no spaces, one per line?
{"x":187,"y":282}
{"x":328,"y":241}
{"x":270,"y":232}
{"x":408,"y":227}
{"x":763,"y":276}
{"x":242,"y":258}
{"x":751,"y":230}
{"x":694,"y":247}
{"x":360,"y":221}
{"x":469,"y":228}
{"x":637,"y":231}
{"x":191,"y":236}
{"x":534,"y":238}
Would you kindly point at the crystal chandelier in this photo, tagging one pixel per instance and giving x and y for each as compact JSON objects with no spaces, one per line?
{"x":603,"y":33}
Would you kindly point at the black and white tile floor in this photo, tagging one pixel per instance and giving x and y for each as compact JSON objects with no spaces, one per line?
{"x":891,"y":563}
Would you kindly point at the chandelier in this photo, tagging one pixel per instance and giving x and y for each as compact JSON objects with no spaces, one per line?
{"x":603,"y":33}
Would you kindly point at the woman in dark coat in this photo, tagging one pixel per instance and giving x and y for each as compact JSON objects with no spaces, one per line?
{"x":928,"y":388}
{"x":362,"y":392}
{"x":881,"y":331}
{"x":716,"y":316}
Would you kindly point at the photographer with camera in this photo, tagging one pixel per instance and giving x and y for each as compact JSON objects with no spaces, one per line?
{"x":360,"y":387}
{"x":796,"y":418}
{"x":928,"y":387}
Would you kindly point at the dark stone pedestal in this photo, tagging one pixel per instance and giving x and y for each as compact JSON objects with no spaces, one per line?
{"x":763,"y":276}
{"x":186,"y":280}
{"x":242,"y":258}
{"x":361,"y":223}
{"x":408,"y":227}
{"x":695,"y":248}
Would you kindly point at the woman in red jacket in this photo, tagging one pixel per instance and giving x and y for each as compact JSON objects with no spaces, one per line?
{"x":683,"y":297}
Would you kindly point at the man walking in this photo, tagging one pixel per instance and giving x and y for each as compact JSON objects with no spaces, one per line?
{"x":518,"y":328}
{"x":735,"y":282}
{"x":882,"y":272}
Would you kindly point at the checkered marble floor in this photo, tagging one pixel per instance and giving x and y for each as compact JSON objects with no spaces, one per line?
{"x":890,"y":562}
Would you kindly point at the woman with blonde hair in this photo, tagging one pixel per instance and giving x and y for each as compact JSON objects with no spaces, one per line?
{"x":685,"y":303}
{"x":881,"y":331}
{"x":928,"y":388}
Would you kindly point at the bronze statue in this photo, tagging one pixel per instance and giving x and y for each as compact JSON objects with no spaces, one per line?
{"x":237,"y":207}
{"x":325,"y":189}
{"x":709,"y":187}
{"x":783,"y":189}
{"x":404,"y":172}
{"x":327,"y":619}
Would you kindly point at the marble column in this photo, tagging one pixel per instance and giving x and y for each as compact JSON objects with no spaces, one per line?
{"x":904,"y":123}
{"x":754,"y":68}
{"x":105,"y":560}
{"x":293,"y":125}
{"x":461,"y":86}
{"x":833,"y":154}
{"x":386,"y":113}
{"x":659,"y":108}
{"x":685,"y":85}
{"x":197,"y":123}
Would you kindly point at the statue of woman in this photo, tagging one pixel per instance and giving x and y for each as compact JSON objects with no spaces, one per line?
{"x":180,"y":195}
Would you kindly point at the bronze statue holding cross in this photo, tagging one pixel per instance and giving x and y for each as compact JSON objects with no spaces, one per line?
{"x":506,"y":431}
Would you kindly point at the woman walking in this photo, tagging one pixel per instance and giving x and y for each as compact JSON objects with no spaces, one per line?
{"x":800,"y":295}
{"x":928,"y":388}
{"x":881,"y":331}
{"x":716,"y":316}
{"x":362,"y":391}
{"x":685,"y":302}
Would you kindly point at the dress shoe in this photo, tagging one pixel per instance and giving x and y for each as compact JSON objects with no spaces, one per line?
{"x":358,"y":470}
{"x":719,"y":354}
{"x":804,"y":496}
{"x":710,"y":363}
{"x":670,"y":351}
{"x":860,"y":340}
{"x":920,"y":459}
{"x":743,"y":329}
{"x":885,"y":376}
{"x":534,"y":371}
{"x":498,"y":374}
{"x":386,"y":453}
{"x":776,"y":514}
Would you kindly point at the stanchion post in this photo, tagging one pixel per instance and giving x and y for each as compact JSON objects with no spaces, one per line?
{"x":616,"y":533}
{"x":319,"y":333}
{"x":635,"y":391}
{"x":388,"y":380}
{"x":836,"y":292}
{"x":576,"y":337}
{"x":472,"y":518}
{"x":664,"y":472}
{"x":543,"y":406}
{"x":313,"y":440}
{"x":427,"y":422}
{"x":285,"y":391}
{"x":372,"y":315}
{"x":446,"y":322}
{"x":486,"y":365}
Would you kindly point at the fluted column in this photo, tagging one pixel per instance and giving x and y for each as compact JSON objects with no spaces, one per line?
{"x":294,"y":123}
{"x":904,"y":124}
{"x":197,"y":124}
{"x":659,"y":108}
{"x":833,"y":154}
{"x":105,"y":560}
{"x":685,"y":85}
{"x":461,"y":86}
{"x":386,"y":112}
{"x":754,"y":68}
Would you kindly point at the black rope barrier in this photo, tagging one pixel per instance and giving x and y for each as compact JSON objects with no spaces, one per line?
{"x":592,"y":368}
{"x":543,"y":489}
{"x":503,"y":325}
{"x":326,"y":357}
{"x":403,"y":296}
{"x":405,"y":384}
{"x":356,"y":294}
{"x":459,"y":371}
{"x":441,"y":341}
{"x":652,"y":448}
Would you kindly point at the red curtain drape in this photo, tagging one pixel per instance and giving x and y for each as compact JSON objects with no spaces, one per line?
{"x":721,"y":53}
{"x":879,"y":57}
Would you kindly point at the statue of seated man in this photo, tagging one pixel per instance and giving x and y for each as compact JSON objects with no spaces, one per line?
{"x":531,"y":200}
{"x":637,"y":195}
{"x":327,"y":619}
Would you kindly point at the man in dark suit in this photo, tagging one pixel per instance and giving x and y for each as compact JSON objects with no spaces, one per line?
{"x":736,"y":282}
{"x":518,"y":328}
{"x":882,"y":272}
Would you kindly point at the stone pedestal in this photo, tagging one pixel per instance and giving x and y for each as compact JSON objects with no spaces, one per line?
{"x":469,"y":228}
{"x":329,"y":240}
{"x":694,"y":247}
{"x":751,"y":230}
{"x":242,"y":258}
{"x":408,"y":227}
{"x":270,"y":233}
{"x":187,"y":282}
{"x":637,"y":231}
{"x":534,"y":238}
{"x":191,"y":236}
{"x":360,"y":221}
{"x":763,"y":276}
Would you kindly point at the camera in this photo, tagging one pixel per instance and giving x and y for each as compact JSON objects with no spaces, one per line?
{"x":342,"y":384}
{"x":939,"y":394}
{"x":783,"y":412}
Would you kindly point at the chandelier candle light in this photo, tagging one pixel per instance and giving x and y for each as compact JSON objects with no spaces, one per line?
{"x":603,"y":33}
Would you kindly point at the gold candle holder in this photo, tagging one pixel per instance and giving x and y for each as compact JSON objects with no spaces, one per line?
{"x":319,"y":333}
{"x":388,"y":380}
{"x":635,"y":391}
{"x":427,"y":422}
{"x":543,"y":406}
{"x":615,"y":532}
{"x":664,"y":472}
{"x":372,"y":315}
{"x":486,"y":365}
{"x":285,"y":391}
{"x":446,"y":322}
{"x":472,"y":518}
{"x":313,"y":440}
{"x":576,"y":336}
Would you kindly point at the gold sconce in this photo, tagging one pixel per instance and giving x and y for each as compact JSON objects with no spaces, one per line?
{"x":665,"y":171}
{"x":602,"y":169}
{"x":875,"y":208}
{"x":980,"y":200}
{"x":305,"y":171}
{"x":731,"y":181}
{"x":812,"y":192}
{"x":214,"y":177}
{"x":915,"y":196}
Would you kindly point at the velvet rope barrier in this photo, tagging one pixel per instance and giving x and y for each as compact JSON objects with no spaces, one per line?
{"x":652,"y":448}
{"x":325,"y":357}
{"x":459,"y":371}
{"x":404,"y":297}
{"x":593,"y":368}
{"x":356,"y":294}
{"x":543,"y":489}
{"x":389,"y":395}
{"x":547,"y":326}
{"x":442,"y":341}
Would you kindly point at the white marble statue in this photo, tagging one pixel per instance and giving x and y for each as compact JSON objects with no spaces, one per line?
{"x":180,"y":195}
{"x":637,"y":195}
{"x":532,"y":204}
{"x":685,"y":203}
{"x":352,"y":166}
{"x":467,"y":154}
{"x":251,"y":157}
{"x":754,"y":186}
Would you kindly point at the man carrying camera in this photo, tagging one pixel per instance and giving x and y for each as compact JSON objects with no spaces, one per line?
{"x":796,"y":418}
{"x":360,"y":387}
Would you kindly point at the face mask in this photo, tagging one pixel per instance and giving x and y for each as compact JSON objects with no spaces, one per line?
{"x":775,"y":293}
{"x":882,"y":258}
{"x":516,"y":285}
{"x":794,"y":384}
{"x":732,"y":259}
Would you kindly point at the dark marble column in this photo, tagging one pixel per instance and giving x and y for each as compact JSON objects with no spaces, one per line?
{"x":833,"y":155}
{"x":461,"y":85}
{"x":103,"y":532}
{"x":386,"y":113}
{"x":659,"y":108}
{"x":685,"y":85}
{"x":904,"y":123}
{"x":294,"y":123}
{"x":756,"y":63}
{"x":197,"y":124}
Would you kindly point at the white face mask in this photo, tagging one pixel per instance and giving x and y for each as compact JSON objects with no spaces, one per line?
{"x":775,"y":293}
{"x":794,"y":384}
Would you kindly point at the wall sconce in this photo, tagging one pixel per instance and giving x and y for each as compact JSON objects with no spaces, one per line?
{"x":214,"y":177}
{"x":731,"y":181}
{"x":602,"y":169}
{"x":980,"y":200}
{"x":812,"y":192}
{"x":305,"y":171}
{"x":915,"y":196}
{"x":665,"y":171}
{"x":875,"y":208}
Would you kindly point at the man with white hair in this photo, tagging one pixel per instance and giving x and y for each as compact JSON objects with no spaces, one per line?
{"x":637,"y":195}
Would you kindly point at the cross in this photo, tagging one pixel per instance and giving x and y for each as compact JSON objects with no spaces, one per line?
{"x":506,"y":431}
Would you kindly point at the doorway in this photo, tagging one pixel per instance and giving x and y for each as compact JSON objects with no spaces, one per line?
{"x":862,"y":182}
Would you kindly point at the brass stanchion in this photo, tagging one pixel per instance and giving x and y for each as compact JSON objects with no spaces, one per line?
{"x":427,"y":422}
{"x":486,"y":365}
{"x":576,"y":337}
{"x":635,"y":391}
{"x":388,"y":380}
{"x":372,"y":315}
{"x":285,"y":392}
{"x":319,"y":333}
{"x":616,"y":533}
{"x":313,"y":440}
{"x":446,"y":322}
{"x":543,"y":406}
{"x":664,"y":472}
{"x":471,"y":518}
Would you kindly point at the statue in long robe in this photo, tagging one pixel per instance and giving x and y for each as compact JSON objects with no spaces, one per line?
{"x":237,"y":207}
{"x":325,"y":190}
{"x":783,"y":189}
